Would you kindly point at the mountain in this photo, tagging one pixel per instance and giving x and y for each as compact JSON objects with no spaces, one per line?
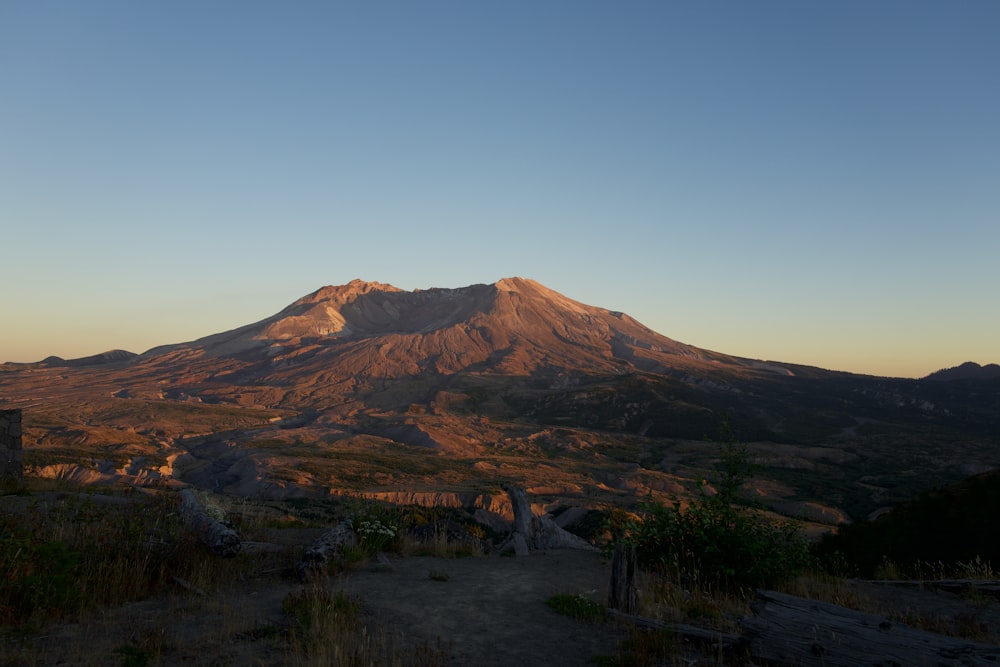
{"x":514,"y":326}
{"x":372,"y":389}
{"x":94,"y":360}
{"x":967,"y":371}
{"x":371,"y":343}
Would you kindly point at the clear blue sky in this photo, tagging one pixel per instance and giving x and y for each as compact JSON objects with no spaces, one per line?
{"x":810,"y":182}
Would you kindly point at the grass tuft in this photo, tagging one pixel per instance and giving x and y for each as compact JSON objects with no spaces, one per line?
{"x":578,"y":607}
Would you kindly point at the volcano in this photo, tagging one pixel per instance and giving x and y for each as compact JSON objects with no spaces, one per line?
{"x":368,"y":387}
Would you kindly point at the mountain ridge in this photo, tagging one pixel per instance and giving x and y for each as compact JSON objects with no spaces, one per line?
{"x":515,"y":325}
{"x":367,"y":386}
{"x":969,"y":370}
{"x":362,"y":308}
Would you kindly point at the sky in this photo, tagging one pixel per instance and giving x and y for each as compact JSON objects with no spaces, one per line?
{"x":807,"y":182}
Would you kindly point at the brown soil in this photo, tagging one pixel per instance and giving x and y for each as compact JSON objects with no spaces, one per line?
{"x":489,"y":611}
{"x":492,"y":611}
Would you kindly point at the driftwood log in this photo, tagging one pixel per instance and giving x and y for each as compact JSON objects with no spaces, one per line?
{"x":327,"y":546}
{"x":537,"y":533}
{"x":788,"y":630}
{"x":220,"y":538}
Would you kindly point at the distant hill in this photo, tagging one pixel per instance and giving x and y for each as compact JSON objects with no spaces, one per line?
{"x":109,"y":357}
{"x":956,"y":523}
{"x":967,"y":371}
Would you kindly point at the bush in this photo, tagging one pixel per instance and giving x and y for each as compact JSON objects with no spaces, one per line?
{"x":718,"y":540}
{"x":377,"y":527}
{"x":577,"y":606}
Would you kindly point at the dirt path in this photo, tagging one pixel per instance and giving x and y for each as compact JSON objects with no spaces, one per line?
{"x":491,"y":610}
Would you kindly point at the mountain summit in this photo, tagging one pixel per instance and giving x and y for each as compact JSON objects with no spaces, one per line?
{"x":514,"y":326}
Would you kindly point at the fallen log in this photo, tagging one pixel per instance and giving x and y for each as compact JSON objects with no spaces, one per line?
{"x":959,"y":586}
{"x":327,"y":546}
{"x":717,"y":638}
{"x":216,"y":535}
{"x":789,"y":630}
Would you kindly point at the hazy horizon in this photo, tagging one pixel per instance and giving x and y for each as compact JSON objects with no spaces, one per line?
{"x":811,"y":184}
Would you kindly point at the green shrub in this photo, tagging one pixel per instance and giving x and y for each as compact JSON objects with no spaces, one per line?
{"x":577,"y":606}
{"x":718,"y":540}
{"x":377,"y":527}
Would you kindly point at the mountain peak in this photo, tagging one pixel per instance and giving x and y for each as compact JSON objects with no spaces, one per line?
{"x":348,"y":292}
{"x":517,"y":284}
{"x":514,"y":326}
{"x":970,"y":370}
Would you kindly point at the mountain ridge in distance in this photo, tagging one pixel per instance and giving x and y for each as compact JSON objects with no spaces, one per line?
{"x":369,"y":387}
{"x":969,"y":370}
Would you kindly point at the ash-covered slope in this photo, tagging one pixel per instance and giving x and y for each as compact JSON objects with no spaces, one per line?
{"x":514,"y":326}
{"x":366,"y":340}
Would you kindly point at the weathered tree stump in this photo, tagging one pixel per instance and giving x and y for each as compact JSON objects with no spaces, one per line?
{"x":788,"y":630}
{"x":622,"y":593}
{"x":538,"y":532}
{"x":327,"y":546}
{"x":216,"y":535}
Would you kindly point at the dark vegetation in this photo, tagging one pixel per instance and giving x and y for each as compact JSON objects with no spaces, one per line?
{"x":720,"y":540}
{"x":954,"y":524}
{"x":780,"y":409}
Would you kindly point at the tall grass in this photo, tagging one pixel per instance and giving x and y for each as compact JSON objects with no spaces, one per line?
{"x":67,"y":555}
{"x":66,"y":552}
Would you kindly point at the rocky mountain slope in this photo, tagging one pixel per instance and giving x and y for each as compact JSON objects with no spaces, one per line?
{"x":368,"y":388}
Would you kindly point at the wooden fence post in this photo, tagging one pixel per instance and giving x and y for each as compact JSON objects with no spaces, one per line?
{"x":622,"y":593}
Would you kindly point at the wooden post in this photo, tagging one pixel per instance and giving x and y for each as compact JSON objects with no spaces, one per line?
{"x":11,"y":455}
{"x":622,"y":593}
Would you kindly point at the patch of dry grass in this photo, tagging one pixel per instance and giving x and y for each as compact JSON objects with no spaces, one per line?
{"x":97,"y":579}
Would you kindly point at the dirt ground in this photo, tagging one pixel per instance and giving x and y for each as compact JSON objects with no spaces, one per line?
{"x":489,"y":611}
